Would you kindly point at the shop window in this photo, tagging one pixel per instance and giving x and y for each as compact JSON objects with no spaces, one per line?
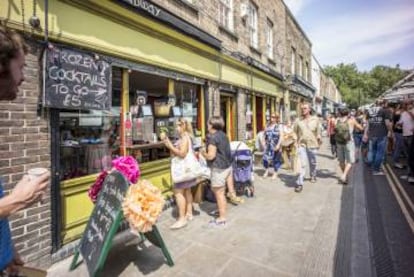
{"x":155,"y":107}
{"x":89,"y":140}
{"x":226,"y":14}
{"x":253,"y":26}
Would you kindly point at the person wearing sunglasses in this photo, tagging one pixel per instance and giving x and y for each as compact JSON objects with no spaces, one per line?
{"x":273,"y":136}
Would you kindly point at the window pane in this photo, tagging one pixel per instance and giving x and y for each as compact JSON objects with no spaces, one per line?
{"x":89,"y":140}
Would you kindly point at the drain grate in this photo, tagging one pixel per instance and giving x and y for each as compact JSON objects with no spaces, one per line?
{"x":383,"y":264}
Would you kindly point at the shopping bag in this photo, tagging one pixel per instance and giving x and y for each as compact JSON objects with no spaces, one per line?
{"x":205,"y":170}
{"x":185,"y":169}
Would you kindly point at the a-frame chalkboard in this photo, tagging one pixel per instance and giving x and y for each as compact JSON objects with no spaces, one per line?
{"x":103,"y":224}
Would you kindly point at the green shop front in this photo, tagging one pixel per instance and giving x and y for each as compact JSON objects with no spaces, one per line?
{"x":154,"y":70}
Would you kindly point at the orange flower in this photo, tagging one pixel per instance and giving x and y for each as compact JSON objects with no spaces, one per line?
{"x":142,"y":205}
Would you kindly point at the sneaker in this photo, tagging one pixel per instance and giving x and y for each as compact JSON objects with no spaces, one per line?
{"x":404,"y":177}
{"x":411,"y":180}
{"x":216,"y":224}
{"x":399,"y":166}
{"x":298,"y":188}
{"x":313,"y":179}
{"x":214,"y":213}
{"x":378,"y":173}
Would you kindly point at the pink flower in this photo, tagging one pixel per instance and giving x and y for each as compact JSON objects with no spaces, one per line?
{"x":128,"y":166}
{"x":97,"y":186}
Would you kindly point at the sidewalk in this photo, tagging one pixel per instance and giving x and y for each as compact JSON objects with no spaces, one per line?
{"x":276,"y":233}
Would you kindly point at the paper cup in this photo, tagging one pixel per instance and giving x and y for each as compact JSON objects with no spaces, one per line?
{"x":36,"y":172}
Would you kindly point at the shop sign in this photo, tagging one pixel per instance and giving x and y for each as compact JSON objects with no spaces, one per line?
{"x":103,"y":223}
{"x":76,"y":80}
{"x":148,"y":8}
{"x":264,"y":68}
{"x":145,"y":5}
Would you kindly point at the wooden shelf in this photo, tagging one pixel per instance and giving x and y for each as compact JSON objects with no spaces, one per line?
{"x":146,"y":146}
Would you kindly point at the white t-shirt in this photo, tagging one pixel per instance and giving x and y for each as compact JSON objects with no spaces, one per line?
{"x":407,"y":123}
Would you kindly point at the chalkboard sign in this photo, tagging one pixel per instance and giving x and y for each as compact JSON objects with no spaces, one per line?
{"x":76,"y":80}
{"x":103,"y":223}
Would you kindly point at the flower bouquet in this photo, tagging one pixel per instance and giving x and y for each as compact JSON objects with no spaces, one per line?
{"x":143,"y":202}
{"x":127,"y":165}
{"x":142,"y":205}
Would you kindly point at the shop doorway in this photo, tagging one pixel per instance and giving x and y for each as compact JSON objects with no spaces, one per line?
{"x":260,"y":124}
{"x":228,"y":112}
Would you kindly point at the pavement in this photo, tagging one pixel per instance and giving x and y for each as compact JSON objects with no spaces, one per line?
{"x":322,"y":231}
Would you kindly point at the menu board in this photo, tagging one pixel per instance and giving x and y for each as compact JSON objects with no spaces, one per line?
{"x":103,"y":222}
{"x":76,"y":80}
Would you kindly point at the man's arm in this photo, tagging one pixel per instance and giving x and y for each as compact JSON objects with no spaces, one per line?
{"x":26,"y":192}
{"x":365,"y":137}
{"x":9,"y":205}
{"x":357,"y":125}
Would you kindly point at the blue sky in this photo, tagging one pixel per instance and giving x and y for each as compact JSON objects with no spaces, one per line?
{"x":365,"y":32}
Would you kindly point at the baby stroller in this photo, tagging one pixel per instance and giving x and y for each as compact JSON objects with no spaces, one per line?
{"x":242,"y":168}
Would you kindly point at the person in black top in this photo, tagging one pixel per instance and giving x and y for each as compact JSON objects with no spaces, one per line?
{"x":219,"y":159}
{"x":378,"y":129}
{"x":398,"y":137}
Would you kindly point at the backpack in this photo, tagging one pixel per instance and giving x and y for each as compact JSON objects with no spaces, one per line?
{"x":342,"y":133}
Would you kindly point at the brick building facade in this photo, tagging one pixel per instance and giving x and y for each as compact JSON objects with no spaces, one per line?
{"x":244,"y":81}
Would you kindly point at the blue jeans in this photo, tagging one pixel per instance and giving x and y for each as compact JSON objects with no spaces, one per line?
{"x":306,"y":155}
{"x":276,"y":160}
{"x":398,"y":147}
{"x":376,"y":152}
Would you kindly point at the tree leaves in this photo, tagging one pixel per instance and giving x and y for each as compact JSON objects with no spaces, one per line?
{"x":360,"y":87}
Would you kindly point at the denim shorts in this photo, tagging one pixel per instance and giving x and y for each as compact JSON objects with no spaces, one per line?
{"x":358,"y":139}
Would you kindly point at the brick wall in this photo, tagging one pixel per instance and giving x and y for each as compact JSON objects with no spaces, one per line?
{"x":24,"y":144}
{"x":204,"y":14}
{"x":295,"y":38}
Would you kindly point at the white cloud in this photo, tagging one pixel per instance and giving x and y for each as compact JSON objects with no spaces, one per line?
{"x":363,"y":35}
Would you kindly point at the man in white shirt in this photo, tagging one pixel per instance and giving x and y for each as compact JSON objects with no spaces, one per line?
{"x":407,"y":123}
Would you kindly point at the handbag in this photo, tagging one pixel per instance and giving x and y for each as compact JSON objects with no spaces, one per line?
{"x":205,"y":170}
{"x":187,"y":168}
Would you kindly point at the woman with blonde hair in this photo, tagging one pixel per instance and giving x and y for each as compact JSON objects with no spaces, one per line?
{"x":273,"y":137}
{"x":182,"y":190}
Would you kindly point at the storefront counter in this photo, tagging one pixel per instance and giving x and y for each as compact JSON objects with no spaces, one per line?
{"x":77,"y":207}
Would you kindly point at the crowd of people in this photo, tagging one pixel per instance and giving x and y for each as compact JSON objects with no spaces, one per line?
{"x":372,"y":134}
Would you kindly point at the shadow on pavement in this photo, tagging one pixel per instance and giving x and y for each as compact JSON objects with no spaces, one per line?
{"x":326,"y":156}
{"x":343,"y":248}
{"x":288,"y":180}
{"x":146,"y":259}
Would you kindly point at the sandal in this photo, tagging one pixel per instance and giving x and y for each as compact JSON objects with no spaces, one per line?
{"x":234,"y":199}
{"x":189,"y":217}
{"x":178,"y":224}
